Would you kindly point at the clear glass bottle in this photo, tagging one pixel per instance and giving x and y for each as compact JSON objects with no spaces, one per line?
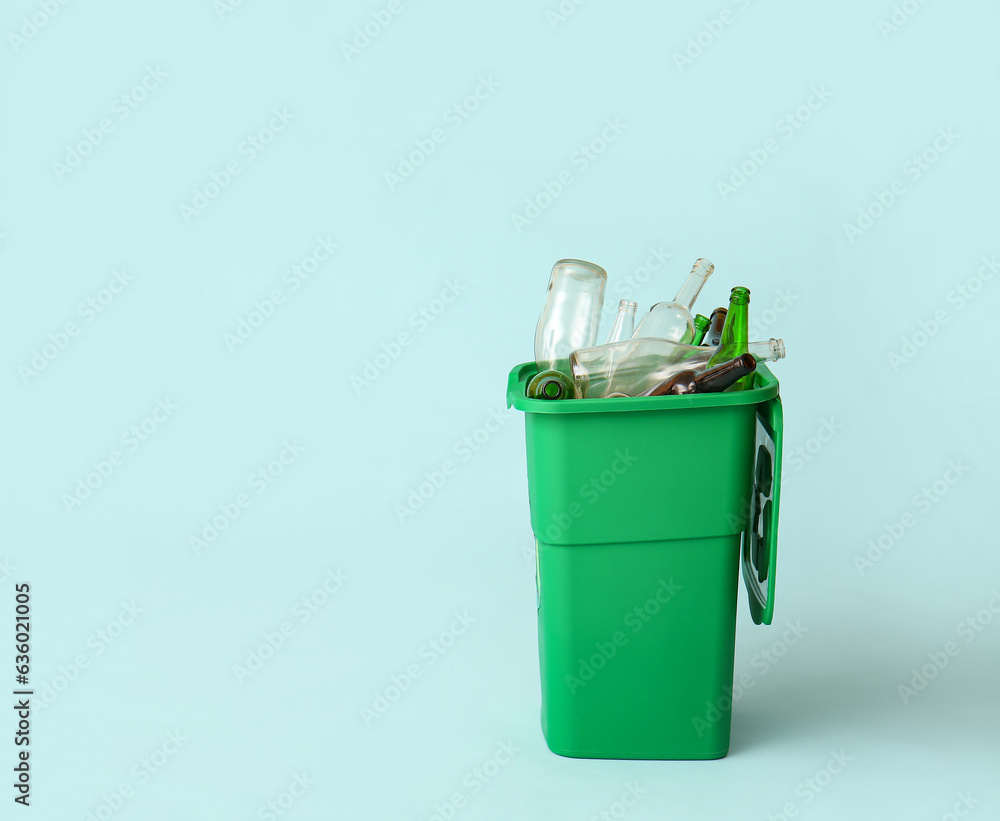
{"x":637,"y":365}
{"x":624,"y":324}
{"x":569,"y":320}
{"x":673,"y":320}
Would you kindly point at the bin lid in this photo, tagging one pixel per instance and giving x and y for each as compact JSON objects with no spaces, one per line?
{"x":760,"y":539}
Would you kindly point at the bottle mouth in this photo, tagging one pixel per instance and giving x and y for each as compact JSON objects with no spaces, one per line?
{"x":550,"y":385}
{"x":739,"y":296}
{"x":627,"y":305}
{"x":551,"y":389}
{"x":703,"y":266}
{"x":580,"y":269}
{"x":778,"y":348}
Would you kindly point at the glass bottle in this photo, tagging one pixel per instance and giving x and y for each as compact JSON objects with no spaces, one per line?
{"x":734,"y":334}
{"x":624,"y":324}
{"x":701,"y":323}
{"x":712,"y":380}
{"x":673,"y":320}
{"x":636,"y":365}
{"x":717,"y":322}
{"x":569,"y":320}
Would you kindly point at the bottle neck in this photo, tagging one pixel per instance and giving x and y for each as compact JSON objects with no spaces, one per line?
{"x":770,"y":351}
{"x":692,"y":286}
{"x":734,"y":333}
{"x":700,"y":327}
{"x":722,"y":376}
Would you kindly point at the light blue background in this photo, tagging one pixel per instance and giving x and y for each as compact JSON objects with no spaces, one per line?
{"x":847,"y":303}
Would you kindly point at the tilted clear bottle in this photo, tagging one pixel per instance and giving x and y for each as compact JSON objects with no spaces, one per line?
{"x":673,"y":320}
{"x":637,"y":365}
{"x":569,"y":320}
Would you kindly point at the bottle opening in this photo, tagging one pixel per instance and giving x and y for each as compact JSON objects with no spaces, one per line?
{"x":579,"y":269}
{"x":703,"y":267}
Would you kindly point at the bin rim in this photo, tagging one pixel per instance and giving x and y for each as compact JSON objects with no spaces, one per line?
{"x":765,"y":388}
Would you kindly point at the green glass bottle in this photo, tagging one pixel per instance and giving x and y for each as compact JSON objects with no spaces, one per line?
{"x":701,"y":323}
{"x":735,"y":335}
{"x":550,"y":384}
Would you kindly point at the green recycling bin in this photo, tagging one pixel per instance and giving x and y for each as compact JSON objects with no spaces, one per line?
{"x":643,"y":509}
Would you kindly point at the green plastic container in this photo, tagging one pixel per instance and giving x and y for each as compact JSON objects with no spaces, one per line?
{"x":639,"y":508}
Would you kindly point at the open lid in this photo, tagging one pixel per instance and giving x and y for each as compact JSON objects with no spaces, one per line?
{"x":760,"y":539}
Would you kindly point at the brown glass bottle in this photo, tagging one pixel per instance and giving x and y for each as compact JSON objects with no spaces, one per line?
{"x":716,"y":322}
{"x":712,"y":380}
